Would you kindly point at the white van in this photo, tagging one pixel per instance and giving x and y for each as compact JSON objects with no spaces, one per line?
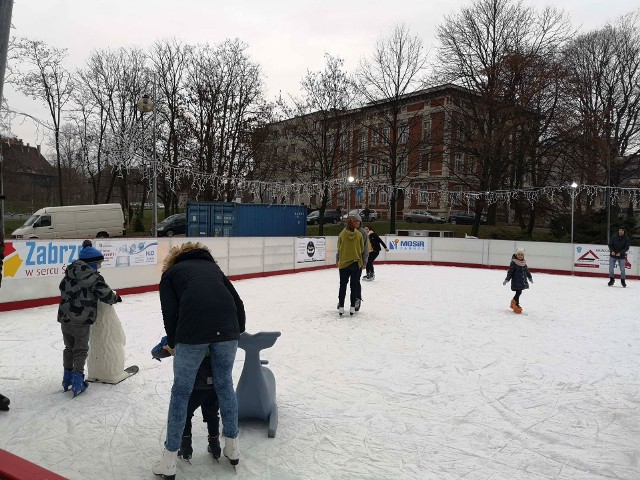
{"x":75,"y":221}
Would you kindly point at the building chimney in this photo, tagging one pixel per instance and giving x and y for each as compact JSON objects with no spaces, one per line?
{"x":38,"y":147}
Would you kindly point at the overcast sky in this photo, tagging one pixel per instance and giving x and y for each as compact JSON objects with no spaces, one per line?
{"x":285,"y":37}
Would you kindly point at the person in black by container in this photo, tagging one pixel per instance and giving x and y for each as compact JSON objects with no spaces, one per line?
{"x":618,"y":247}
{"x":375,"y":246}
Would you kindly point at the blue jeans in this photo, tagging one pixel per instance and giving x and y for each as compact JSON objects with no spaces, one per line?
{"x":621,"y":264}
{"x":185,"y":366}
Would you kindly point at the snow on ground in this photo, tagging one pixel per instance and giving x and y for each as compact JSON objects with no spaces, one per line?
{"x":435,"y":378}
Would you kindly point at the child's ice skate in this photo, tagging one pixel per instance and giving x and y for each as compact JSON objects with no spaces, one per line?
{"x":515,"y":307}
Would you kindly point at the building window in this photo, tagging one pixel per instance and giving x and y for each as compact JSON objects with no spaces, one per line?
{"x":374,"y":167}
{"x":343,"y":141}
{"x":362,"y":141}
{"x":404,"y":133}
{"x":375,"y":136}
{"x":426,"y":130}
{"x":424,"y":163}
{"x":458,"y":163}
{"x":423,"y":197}
{"x":384,"y":197}
{"x":362,"y":170}
{"x":402,"y":165}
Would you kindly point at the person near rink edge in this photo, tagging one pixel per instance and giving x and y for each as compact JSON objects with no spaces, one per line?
{"x":618,"y":247}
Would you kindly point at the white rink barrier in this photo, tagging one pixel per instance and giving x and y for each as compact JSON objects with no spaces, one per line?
{"x":33,"y":268}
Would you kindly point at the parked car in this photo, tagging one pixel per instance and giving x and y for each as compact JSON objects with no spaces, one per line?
{"x":422,"y":216}
{"x":173,"y":225}
{"x":373,"y":215}
{"x":462,"y":218}
{"x":330,"y":216}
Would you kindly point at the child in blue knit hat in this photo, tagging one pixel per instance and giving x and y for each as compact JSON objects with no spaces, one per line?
{"x":80,"y":290}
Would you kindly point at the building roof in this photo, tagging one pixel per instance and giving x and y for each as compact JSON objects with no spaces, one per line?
{"x":25,"y":159}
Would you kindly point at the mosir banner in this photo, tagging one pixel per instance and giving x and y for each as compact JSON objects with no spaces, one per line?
{"x":406,"y":244}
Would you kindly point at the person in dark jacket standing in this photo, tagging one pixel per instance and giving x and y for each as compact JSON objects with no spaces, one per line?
{"x":518,"y":274}
{"x":201,"y":310}
{"x":618,"y":247}
{"x":375,"y":246}
{"x":80,"y":290}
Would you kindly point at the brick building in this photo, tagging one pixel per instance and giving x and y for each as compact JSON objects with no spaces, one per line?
{"x":27,"y":176}
{"x":423,"y":139}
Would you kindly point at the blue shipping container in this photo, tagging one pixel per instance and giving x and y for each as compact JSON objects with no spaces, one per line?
{"x":227,"y":219}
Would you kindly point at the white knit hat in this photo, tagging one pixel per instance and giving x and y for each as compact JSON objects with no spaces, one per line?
{"x":520,"y":251}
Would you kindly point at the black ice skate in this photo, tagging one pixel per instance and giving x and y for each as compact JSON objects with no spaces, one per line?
{"x":214,"y":447}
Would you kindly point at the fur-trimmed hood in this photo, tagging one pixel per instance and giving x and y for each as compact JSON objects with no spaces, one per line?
{"x":186,"y":251}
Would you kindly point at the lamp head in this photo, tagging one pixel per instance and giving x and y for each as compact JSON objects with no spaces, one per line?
{"x":574,"y":185}
{"x":145,"y":104}
{"x":351,"y":179}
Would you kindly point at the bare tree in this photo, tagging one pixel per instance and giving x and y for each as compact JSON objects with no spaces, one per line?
{"x":225,"y":106}
{"x":42,"y":76}
{"x":604,"y":97}
{"x":492,"y":48}
{"x":170,"y":60}
{"x":318,"y":120}
{"x":395,"y":69}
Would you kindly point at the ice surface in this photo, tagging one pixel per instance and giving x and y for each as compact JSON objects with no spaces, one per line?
{"x":435,"y":378}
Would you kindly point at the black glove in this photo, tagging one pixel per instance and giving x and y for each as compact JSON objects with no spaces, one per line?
{"x":118,"y":298}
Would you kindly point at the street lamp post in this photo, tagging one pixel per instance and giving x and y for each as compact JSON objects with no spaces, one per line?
{"x":574,"y":185}
{"x":351,"y":180}
{"x":618,"y":160}
{"x":145,"y":105}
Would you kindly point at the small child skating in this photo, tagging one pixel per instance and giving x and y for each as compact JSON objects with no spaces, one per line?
{"x":518,"y":274}
{"x":80,"y":290}
{"x":204,"y":396}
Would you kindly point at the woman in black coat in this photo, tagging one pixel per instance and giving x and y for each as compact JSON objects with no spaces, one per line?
{"x":202,"y":312}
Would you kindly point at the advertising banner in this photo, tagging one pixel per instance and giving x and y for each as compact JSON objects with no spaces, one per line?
{"x":311,"y":249}
{"x":595,"y":259}
{"x":128,"y":253}
{"x":42,"y":258}
{"x":406,"y":244}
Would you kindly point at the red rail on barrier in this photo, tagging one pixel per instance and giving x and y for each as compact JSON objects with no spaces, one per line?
{"x":13,"y":467}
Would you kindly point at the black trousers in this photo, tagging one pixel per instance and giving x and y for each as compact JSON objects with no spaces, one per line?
{"x":372,"y":256}
{"x":207,"y":400}
{"x":516,"y":297}
{"x":349,"y":275}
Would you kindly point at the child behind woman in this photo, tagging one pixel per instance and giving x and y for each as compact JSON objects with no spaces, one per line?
{"x":518,"y":274}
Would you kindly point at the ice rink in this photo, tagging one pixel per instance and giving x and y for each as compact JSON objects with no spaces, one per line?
{"x":435,"y":378}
